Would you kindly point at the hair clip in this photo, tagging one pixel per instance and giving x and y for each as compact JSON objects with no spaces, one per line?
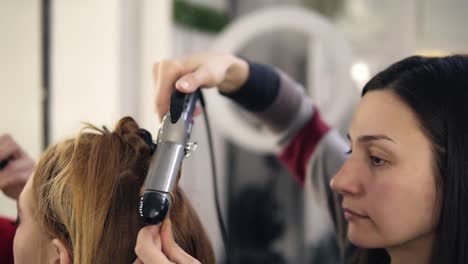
{"x":148,"y":138}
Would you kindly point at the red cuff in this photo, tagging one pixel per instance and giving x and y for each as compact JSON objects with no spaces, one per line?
{"x":300,"y":149}
{"x":7,"y":234}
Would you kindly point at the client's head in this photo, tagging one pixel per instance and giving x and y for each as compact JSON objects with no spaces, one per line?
{"x":81,"y":203}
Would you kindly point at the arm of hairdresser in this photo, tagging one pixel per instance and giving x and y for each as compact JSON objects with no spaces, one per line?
{"x":15,"y":168}
{"x":310,"y":148}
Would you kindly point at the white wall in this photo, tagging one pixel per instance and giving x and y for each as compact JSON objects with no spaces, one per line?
{"x":156,"y":44}
{"x":86,"y":65}
{"x":103,"y":53}
{"x":20,"y":84}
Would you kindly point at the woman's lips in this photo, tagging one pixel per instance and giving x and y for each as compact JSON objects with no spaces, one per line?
{"x":352,"y":215}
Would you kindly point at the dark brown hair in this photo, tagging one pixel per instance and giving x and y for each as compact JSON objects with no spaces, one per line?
{"x":436,"y":89}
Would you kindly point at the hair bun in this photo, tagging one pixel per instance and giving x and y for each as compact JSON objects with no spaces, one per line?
{"x":126,"y":126}
{"x":129,"y":132}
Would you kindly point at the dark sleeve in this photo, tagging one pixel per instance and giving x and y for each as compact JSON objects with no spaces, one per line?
{"x":7,"y":234}
{"x":260,"y":89}
{"x":275,"y":98}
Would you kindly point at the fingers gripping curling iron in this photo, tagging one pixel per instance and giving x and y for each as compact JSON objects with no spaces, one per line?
{"x":172,"y":146}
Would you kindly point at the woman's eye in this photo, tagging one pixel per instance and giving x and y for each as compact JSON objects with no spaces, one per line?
{"x":376,"y":161}
{"x":349,"y":152}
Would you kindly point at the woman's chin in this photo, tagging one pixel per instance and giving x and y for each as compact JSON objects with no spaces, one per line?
{"x":365,"y":240}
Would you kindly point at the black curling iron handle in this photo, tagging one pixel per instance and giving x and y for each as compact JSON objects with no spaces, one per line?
{"x":154,"y":207}
{"x":166,"y":161}
{"x":182,"y":105}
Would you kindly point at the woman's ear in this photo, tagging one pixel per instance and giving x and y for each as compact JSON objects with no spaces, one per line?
{"x":59,"y":253}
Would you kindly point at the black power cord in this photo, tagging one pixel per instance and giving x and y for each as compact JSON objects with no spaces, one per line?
{"x":222,"y":226}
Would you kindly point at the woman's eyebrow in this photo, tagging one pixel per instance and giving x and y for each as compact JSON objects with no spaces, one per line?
{"x":369,"y":138}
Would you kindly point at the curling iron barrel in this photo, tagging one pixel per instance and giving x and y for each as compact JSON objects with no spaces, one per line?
{"x":172,"y":146}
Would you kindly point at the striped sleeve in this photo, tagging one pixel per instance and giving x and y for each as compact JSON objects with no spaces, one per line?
{"x":310,"y":148}
{"x":276,"y":99}
{"x":317,"y":152}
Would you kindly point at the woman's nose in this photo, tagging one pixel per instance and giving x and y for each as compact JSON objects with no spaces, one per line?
{"x":347,"y":181}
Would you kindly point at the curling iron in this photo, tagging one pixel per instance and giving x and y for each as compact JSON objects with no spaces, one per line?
{"x":172,"y":145}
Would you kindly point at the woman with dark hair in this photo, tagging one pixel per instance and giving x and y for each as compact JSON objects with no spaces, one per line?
{"x":396,"y":190}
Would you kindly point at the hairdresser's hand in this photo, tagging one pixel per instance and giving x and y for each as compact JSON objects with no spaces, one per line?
{"x":187,"y":74}
{"x":156,"y":245}
{"x":14,"y":175}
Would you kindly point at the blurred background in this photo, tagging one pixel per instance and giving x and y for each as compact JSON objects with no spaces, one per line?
{"x":64,"y":62}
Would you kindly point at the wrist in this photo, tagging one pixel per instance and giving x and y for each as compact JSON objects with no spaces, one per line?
{"x":237,"y":74}
{"x":260,"y":89}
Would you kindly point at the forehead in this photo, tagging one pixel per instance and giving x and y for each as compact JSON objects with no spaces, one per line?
{"x":383,"y":112}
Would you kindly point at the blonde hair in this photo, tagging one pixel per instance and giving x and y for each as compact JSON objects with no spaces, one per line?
{"x":86,"y":191}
